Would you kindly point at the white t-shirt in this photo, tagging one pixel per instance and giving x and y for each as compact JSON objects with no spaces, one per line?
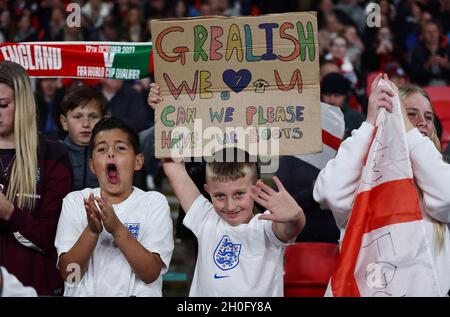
{"x":243,"y":260}
{"x":147,"y":217}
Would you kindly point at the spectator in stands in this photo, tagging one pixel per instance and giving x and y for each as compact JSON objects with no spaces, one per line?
{"x":129,"y":105}
{"x":110,"y":32}
{"x":178,"y":10}
{"x":134,"y":25}
{"x":96,"y":11}
{"x":73,"y":34}
{"x":324,"y":7}
{"x":5,"y":25}
{"x":36,"y":176}
{"x":120,"y":9}
{"x":205,"y":9}
{"x":335,"y":89}
{"x":18,"y":7}
{"x":338,"y":54}
{"x":125,"y":103}
{"x":431,"y":173}
{"x":430,"y":59}
{"x":381,"y":51}
{"x":354,"y":11}
{"x":156,"y":9}
{"x":332,"y":27}
{"x":389,"y":12}
{"x":396,"y":74}
{"x":416,"y":33}
{"x":409,"y":30}
{"x":25,"y":32}
{"x":233,"y":242}
{"x":55,"y":30}
{"x":327,"y":67}
{"x":120,"y":237}
{"x":81,"y":109}
{"x":221,"y":7}
{"x":49,"y":94}
{"x":356,"y":47}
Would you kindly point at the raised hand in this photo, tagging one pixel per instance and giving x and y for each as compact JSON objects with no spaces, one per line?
{"x":154,"y":95}
{"x":380,"y":97}
{"x":281,"y":205}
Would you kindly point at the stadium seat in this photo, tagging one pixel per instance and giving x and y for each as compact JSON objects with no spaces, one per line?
{"x":308,"y":267}
{"x":442,"y":109}
{"x":440,"y":98}
{"x":438,"y":92}
{"x":370,"y":77}
{"x":354,"y":103}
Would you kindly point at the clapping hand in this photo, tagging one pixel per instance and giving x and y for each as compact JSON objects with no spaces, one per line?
{"x":93,"y":215}
{"x":108,"y":216}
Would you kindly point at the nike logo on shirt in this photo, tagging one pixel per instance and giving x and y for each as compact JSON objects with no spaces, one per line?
{"x":220,"y":276}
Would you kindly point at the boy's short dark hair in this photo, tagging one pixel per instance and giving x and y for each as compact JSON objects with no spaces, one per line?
{"x":111,"y":123}
{"x":335,"y":83}
{"x":81,"y":96}
{"x":230,"y":164}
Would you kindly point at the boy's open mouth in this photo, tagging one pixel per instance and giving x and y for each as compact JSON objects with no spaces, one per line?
{"x":112,"y":174}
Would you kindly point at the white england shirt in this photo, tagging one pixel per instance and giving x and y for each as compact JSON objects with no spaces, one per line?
{"x":147,"y":217}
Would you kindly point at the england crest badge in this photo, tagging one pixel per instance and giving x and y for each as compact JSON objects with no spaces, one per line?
{"x":133,"y":228}
{"x":226,"y":255}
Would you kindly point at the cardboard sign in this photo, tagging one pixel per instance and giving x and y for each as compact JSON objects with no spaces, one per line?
{"x":247,"y":82}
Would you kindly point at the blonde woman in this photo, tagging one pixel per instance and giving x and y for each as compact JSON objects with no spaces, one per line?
{"x":35,"y":175}
{"x":337,"y":183}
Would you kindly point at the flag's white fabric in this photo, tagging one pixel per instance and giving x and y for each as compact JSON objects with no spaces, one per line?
{"x":396,"y":260}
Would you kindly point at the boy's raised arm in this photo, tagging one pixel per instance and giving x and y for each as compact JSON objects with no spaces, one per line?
{"x":181,"y":182}
{"x":287,"y":216}
{"x":82,"y":250}
{"x":179,"y":179}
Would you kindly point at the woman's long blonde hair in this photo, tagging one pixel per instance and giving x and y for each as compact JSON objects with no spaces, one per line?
{"x":405,"y":91}
{"x":22,"y":181}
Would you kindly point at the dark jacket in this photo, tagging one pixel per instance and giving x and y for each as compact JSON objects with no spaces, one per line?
{"x":147,"y":141}
{"x":352,"y":118}
{"x":298,"y":178}
{"x":420,"y":55}
{"x":32,"y":267}
{"x":43,"y":115}
{"x":79,"y":157}
{"x":128,"y":105}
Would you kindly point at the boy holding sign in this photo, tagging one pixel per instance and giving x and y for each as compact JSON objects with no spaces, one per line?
{"x":239,"y":254}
